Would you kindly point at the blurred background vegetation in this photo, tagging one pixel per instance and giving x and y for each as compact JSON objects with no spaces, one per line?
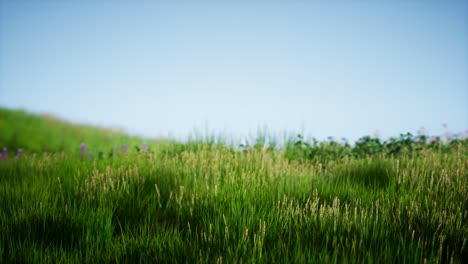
{"x":46,"y":133}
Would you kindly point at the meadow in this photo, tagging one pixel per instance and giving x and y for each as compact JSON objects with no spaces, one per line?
{"x":80,"y":194}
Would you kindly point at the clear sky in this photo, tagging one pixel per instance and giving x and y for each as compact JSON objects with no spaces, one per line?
{"x":327,"y":68}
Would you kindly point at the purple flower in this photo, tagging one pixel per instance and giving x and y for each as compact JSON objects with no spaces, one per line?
{"x":82,"y":149}
{"x":144,"y":147}
{"x":422,"y":131}
{"x":20,"y":154}
{"x":125,"y":148}
{"x":450,"y":136}
{"x":4,"y":153}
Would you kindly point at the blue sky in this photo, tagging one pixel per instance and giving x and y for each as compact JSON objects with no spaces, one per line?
{"x":326,"y":68}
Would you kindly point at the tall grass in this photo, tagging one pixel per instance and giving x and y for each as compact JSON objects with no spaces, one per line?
{"x":204,"y":201}
{"x":214,"y":204}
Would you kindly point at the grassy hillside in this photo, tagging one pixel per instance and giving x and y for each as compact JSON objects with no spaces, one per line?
{"x":38,"y":133}
{"x":403,"y":200}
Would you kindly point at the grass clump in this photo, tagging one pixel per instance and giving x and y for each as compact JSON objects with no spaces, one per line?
{"x":369,"y":172}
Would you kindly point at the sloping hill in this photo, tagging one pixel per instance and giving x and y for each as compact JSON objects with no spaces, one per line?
{"x":35,"y":133}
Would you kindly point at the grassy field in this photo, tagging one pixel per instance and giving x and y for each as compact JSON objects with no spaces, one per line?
{"x":403,"y":200}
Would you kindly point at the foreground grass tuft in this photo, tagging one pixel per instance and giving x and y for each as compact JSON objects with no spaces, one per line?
{"x":370,"y":172}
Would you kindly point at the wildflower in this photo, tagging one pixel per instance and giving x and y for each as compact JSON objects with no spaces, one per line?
{"x":20,"y":154}
{"x":144,"y":147}
{"x":422,"y":131}
{"x":82,"y":149}
{"x":376,"y":133}
{"x":451,"y":136}
{"x":4,"y":153}
{"x":125,"y":148}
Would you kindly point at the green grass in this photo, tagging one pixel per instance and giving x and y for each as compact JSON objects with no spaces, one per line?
{"x":205,"y":202}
